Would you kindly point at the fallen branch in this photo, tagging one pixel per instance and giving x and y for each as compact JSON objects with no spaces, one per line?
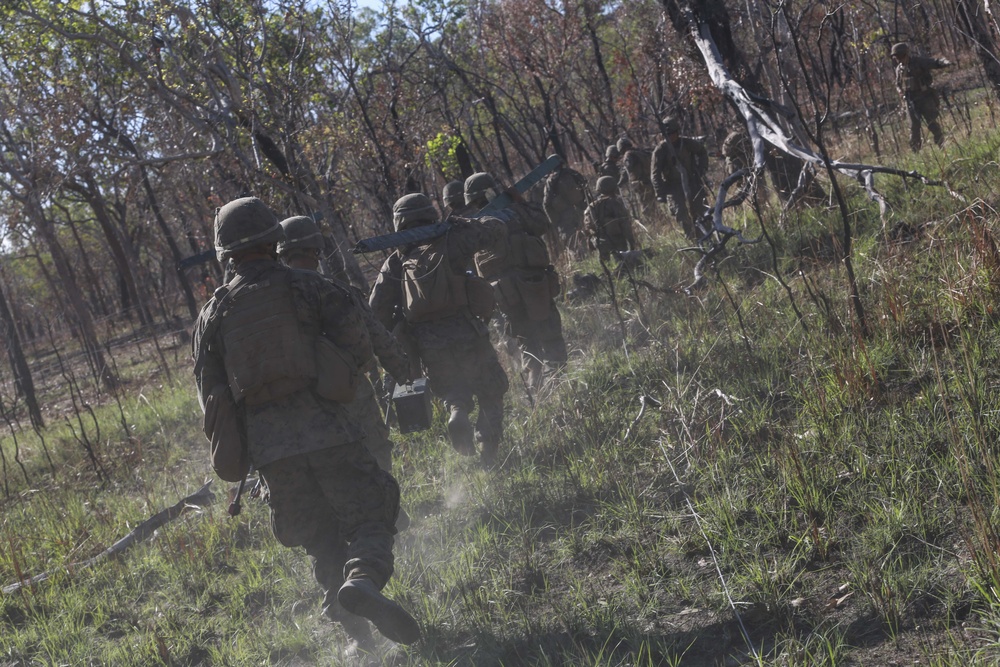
{"x":141,"y":532}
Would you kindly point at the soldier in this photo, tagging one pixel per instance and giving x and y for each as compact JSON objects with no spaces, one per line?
{"x":737,"y":149}
{"x":454,"y":198}
{"x":282,"y":348}
{"x":607,"y":221}
{"x":678,"y":175}
{"x":524,"y":281}
{"x":610,"y":165}
{"x":300,"y":250}
{"x":429,"y":292}
{"x":914,"y":82}
{"x":564,"y":201}
{"x":636,"y":172}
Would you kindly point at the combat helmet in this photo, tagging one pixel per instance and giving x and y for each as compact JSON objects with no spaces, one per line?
{"x":300,"y":232}
{"x":454,"y":194}
{"x":412,"y":210}
{"x":611,"y":153}
{"x":900,"y":49}
{"x":671,"y":125}
{"x":624,"y":144}
{"x":243,"y":223}
{"x":479,"y":185}
{"x":606,"y":185}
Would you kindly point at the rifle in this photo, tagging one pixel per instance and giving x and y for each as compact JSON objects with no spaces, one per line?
{"x":428,"y":232}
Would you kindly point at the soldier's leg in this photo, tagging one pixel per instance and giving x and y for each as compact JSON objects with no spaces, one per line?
{"x":365,"y":500}
{"x":929,"y":110}
{"x":491,"y":385}
{"x":301,"y":516}
{"x":914,"y":117}
{"x":447,"y":375}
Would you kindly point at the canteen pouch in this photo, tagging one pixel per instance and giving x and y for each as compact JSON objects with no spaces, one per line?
{"x":534,"y":290}
{"x":482,"y":301}
{"x":224,"y":429}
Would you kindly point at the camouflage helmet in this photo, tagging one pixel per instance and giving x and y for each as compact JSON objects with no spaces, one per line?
{"x":606,"y":185}
{"x":300,"y":232}
{"x":624,"y":144}
{"x":611,"y":152}
{"x":900,"y":49}
{"x":671,"y":125}
{"x":479,"y":185}
{"x":454,"y":194}
{"x":244,"y":223}
{"x":412,"y":210}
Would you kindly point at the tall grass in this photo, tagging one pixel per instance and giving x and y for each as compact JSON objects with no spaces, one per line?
{"x":740,"y":479}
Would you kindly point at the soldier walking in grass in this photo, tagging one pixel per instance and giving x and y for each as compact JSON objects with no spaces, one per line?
{"x":524,"y":280}
{"x":428,"y":291}
{"x":636,"y":173}
{"x":678,"y":174}
{"x":564,"y":200}
{"x":608,"y":224}
{"x":300,"y":249}
{"x":281,"y":349}
{"x":915,"y":84}
{"x":610,"y":165}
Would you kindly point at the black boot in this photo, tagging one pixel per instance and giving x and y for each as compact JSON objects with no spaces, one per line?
{"x":362,"y":597}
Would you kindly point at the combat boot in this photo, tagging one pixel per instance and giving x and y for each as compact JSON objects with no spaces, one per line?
{"x":360,"y":595}
{"x":460,"y":432}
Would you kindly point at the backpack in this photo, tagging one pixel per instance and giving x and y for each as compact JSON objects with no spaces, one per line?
{"x":431,"y":289}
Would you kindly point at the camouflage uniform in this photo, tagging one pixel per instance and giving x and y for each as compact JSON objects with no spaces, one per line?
{"x":608,"y":223}
{"x":678,"y":175}
{"x":914,"y":82}
{"x":737,"y":149}
{"x":536,"y":325}
{"x":564,"y":200}
{"x":323,"y":483}
{"x":610,"y":165}
{"x":455,"y":350}
{"x":325,"y":489}
{"x":298,"y":250}
{"x":636,"y":173}
{"x":365,"y":408}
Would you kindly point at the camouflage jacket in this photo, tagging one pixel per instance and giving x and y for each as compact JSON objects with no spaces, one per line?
{"x":302,"y":421}
{"x":688,"y":156}
{"x":635,"y":165}
{"x":565,"y":192}
{"x":914,"y":78}
{"x":608,"y":223}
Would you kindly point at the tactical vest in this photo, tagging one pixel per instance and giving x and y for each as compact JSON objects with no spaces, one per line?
{"x":266,"y":351}
{"x":603,"y":218}
{"x":431,"y":289}
{"x":914,"y":79}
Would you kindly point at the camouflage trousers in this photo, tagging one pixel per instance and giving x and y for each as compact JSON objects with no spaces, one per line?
{"x":645,"y":200}
{"x":923,"y":108}
{"x":541,"y":342}
{"x":340,"y":506}
{"x":469,"y":368}
{"x":687,"y":210}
